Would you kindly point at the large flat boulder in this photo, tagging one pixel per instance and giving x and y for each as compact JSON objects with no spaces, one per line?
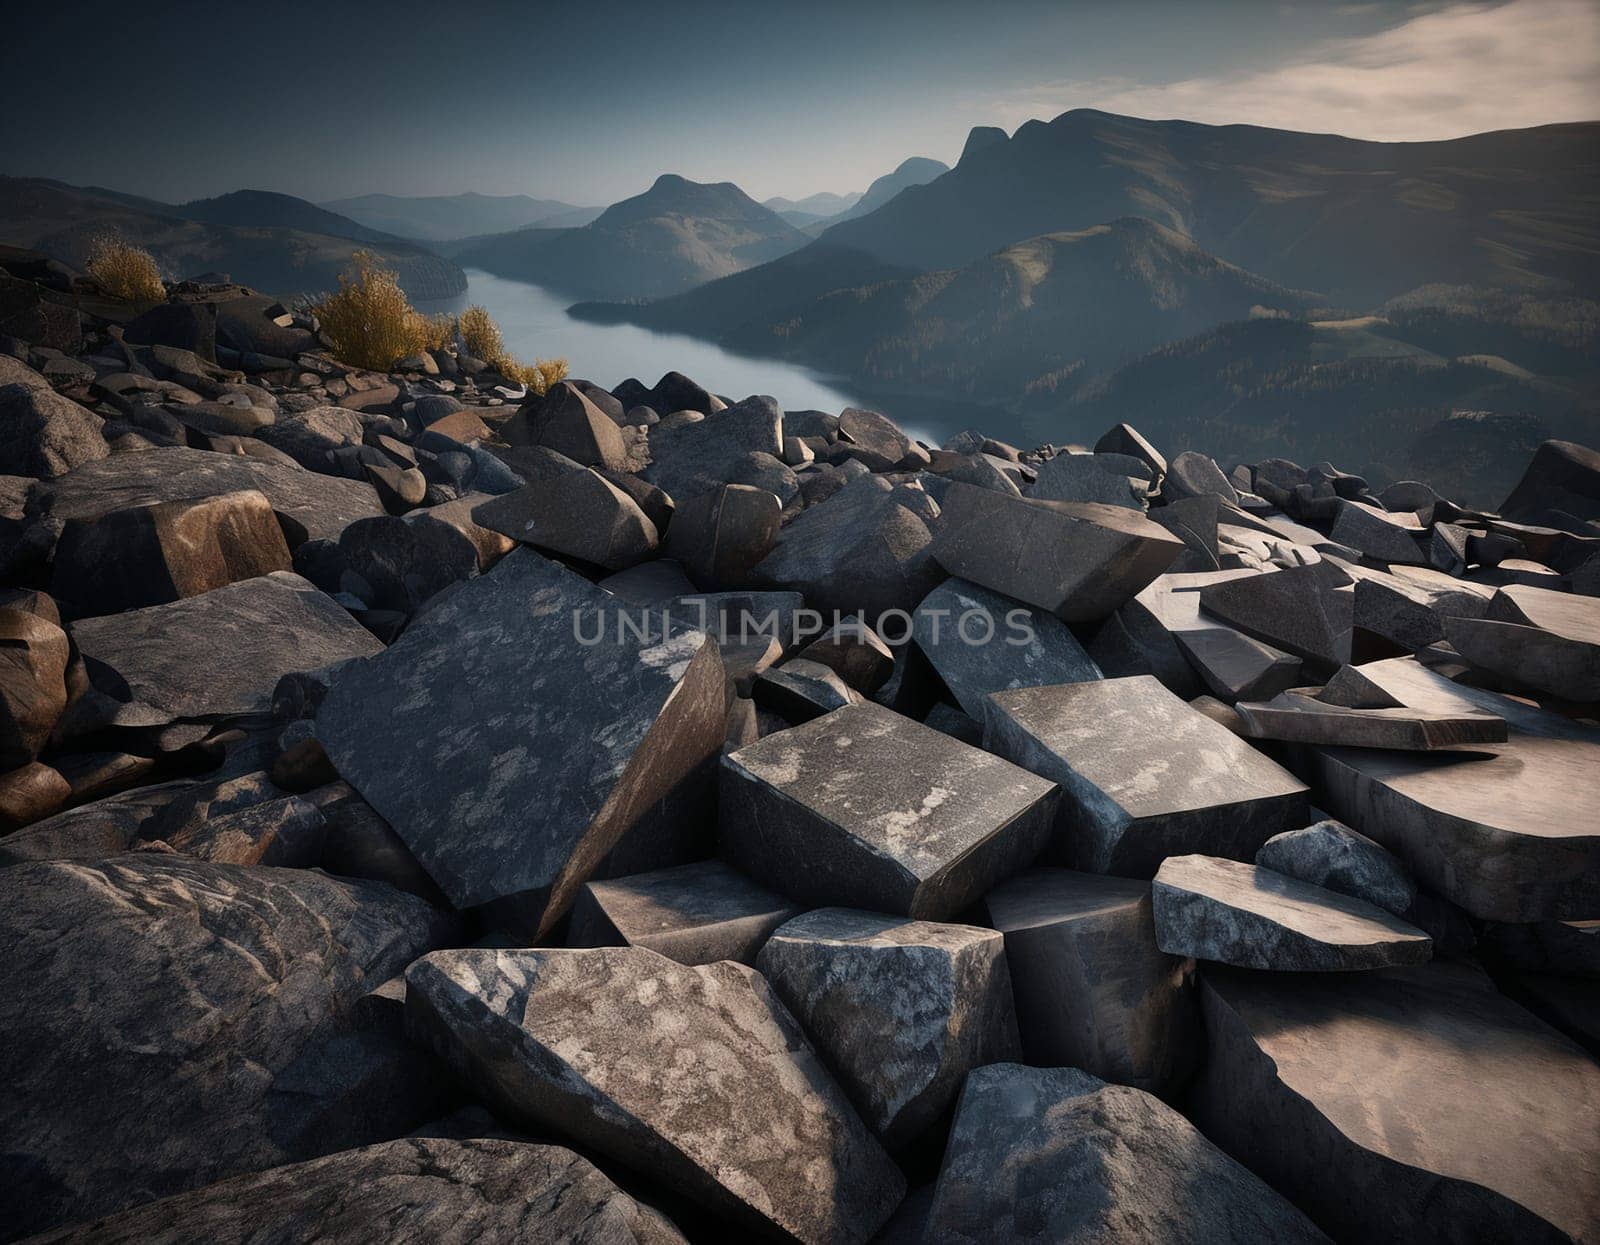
{"x":865,"y":808}
{"x":580,"y":514}
{"x":1294,"y":610}
{"x":901,"y":1009}
{"x":1561,"y":475}
{"x":1092,"y":988}
{"x":1143,"y":775}
{"x":510,"y":752}
{"x":1404,"y":1105}
{"x":416,"y":1188}
{"x":165,"y":1018}
{"x":1054,"y":1154}
{"x":1078,"y":560}
{"x":1491,"y":830}
{"x":573,"y":1041}
{"x":1253,"y":917}
{"x":44,"y":433}
{"x":1299,"y":717}
{"x":1535,"y":639}
{"x":220,"y":653}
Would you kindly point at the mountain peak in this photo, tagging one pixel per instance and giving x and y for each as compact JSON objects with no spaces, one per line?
{"x":982,"y":136}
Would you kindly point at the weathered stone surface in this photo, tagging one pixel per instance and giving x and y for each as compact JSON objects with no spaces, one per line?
{"x":872,"y":438}
{"x":867,"y":809}
{"x":287,"y":832}
{"x":44,"y":434}
{"x":1078,"y":560}
{"x":572,"y":1040}
{"x":417,"y":1188}
{"x":1092,"y":988}
{"x":509,"y":755}
{"x":308,"y":505}
{"x":1408,"y":1104}
{"x":1492,"y":830}
{"x":901,"y":1010}
{"x":1535,"y":639}
{"x":1334,"y":856}
{"x":1565,"y":948}
{"x":720,"y":536}
{"x":310,"y":437}
{"x":578,"y":514}
{"x":855,"y":652}
{"x":1143,"y":775}
{"x":489,"y":546}
{"x":149,"y":992}
{"x":395,"y":564}
{"x":1054,"y":1154}
{"x":1287,"y":609}
{"x":222,"y":652}
{"x":1408,"y":613}
{"x":1236,"y":667}
{"x":33,"y":690}
{"x":865,"y":550}
{"x":148,"y":555}
{"x":1252,"y":917}
{"x":1299,"y":717}
{"x":1192,"y":474}
{"x":695,"y":914}
{"x":800,"y":690}
{"x":741,"y":444}
{"x":1561,"y":475}
{"x":1110,"y":479}
{"x":980,"y":642}
{"x":28,"y":794}
{"x":1378,"y":534}
{"x":568,"y":422}
{"x":1126,"y":439}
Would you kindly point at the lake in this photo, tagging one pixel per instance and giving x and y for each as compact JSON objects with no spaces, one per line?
{"x":535,"y":323}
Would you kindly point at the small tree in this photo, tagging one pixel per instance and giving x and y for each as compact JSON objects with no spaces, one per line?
{"x":125,"y":271}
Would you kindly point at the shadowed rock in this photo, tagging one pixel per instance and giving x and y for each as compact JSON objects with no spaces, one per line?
{"x":33,"y":690}
{"x":1054,"y":1154}
{"x":1109,"y":479}
{"x":1092,"y":988}
{"x":901,"y":1010}
{"x":578,"y":514}
{"x":694,"y":914}
{"x":1534,"y":638}
{"x":721,"y":535}
{"x":1143,"y":775}
{"x":872,"y":438}
{"x":868,"y":809}
{"x":1336,"y":857}
{"x":510,"y":755}
{"x":1568,"y":948}
{"x":1286,"y":609}
{"x":737,"y":445}
{"x":1408,"y":1104}
{"x":1378,"y":534}
{"x":43,"y":433}
{"x":1561,"y":475}
{"x":569,"y":423}
{"x":800,"y":690}
{"x":1296,"y":717}
{"x":1252,"y":917}
{"x":854,"y":652}
{"x":572,"y":1040}
{"x":417,"y":1188}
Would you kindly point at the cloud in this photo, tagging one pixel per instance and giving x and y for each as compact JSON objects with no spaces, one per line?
{"x":1462,"y":69}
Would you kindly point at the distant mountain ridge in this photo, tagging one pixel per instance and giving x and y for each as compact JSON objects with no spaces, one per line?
{"x":674,"y":236}
{"x":917,"y":171}
{"x":442,"y":218}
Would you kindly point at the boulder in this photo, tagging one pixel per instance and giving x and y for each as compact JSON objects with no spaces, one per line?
{"x":800,"y":690}
{"x":44,"y":434}
{"x":901,"y":1010}
{"x":979,"y":642}
{"x":1252,"y":917}
{"x":1055,"y":1154}
{"x":397,"y":564}
{"x":737,"y":445}
{"x":1092,"y":988}
{"x":150,"y":555}
{"x":566,"y":421}
{"x":310,"y":437}
{"x":417,"y":1188}
{"x":1109,"y":479}
{"x":1561,"y":475}
{"x":1125,"y":439}
{"x":695,"y":914}
{"x":1288,"y":609}
{"x":854,"y":652}
{"x":33,"y":691}
{"x":1299,"y":717}
{"x":488,"y":546}
{"x":868,"y":809}
{"x":1192,"y":474}
{"x":1535,"y":639}
{"x":720,"y":536}
{"x":1143,"y":775}
{"x":1382,"y":536}
{"x":165,"y":1020}
{"x":872,"y":438}
{"x":1335,"y":857}
{"x":220,"y":653}
{"x":30,"y":793}
{"x":572,"y":1040}
{"x":578,"y":514}
{"x":1078,"y":560}
{"x":517,"y":731}
{"x":1403,"y":1105}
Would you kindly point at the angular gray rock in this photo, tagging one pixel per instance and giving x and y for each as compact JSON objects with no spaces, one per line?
{"x":867,"y":809}
{"x":33,"y":691}
{"x":572,"y":1040}
{"x":579,"y":514}
{"x":222,"y":652}
{"x":1403,"y":1105}
{"x":737,"y":445}
{"x":310,"y":437}
{"x":1299,"y":717}
{"x":1561,"y":475}
{"x":872,"y":438}
{"x":1078,"y":560}
{"x":1054,"y":1154}
{"x":800,"y":690}
{"x":1125,"y":439}
{"x":1143,"y":775}
{"x":901,"y":1010}
{"x":1564,"y":948}
{"x":163,"y":1016}
{"x":1288,"y":609}
{"x":1252,"y":917}
{"x":695,"y":914}
{"x":566,"y":421}
{"x":1491,"y":830}
{"x":419,"y":1189}
{"x":1535,"y":639}
{"x":1334,"y":856}
{"x":1110,"y":479}
{"x":979,"y":642}
{"x":853,"y":651}
{"x":1092,"y":988}
{"x":720,"y":536}
{"x":509,"y":752}
{"x":43,"y":433}
{"x":1378,"y":534}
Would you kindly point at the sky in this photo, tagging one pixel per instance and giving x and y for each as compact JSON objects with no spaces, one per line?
{"x":589,"y":103}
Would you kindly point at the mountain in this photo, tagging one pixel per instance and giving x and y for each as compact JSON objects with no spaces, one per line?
{"x":275,"y":211}
{"x":439,"y":218}
{"x":813,"y":208}
{"x":917,"y":171}
{"x":1360,"y":221}
{"x":283,"y":260}
{"x":1024,"y":321}
{"x":676,"y":235}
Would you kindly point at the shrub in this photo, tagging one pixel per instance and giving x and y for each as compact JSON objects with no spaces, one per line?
{"x":481,"y":338}
{"x":538,"y":376}
{"x":368,"y":319}
{"x":125,"y":271}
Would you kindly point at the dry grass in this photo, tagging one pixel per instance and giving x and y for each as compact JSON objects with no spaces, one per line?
{"x":369,"y":320}
{"x":481,"y":338}
{"x":125,"y":271}
{"x":538,"y":376}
